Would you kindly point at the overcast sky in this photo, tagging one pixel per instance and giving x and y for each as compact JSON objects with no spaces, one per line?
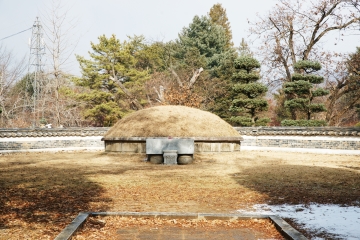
{"x":155,"y":19}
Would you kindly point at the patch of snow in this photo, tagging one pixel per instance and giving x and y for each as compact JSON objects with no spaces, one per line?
{"x":344,"y":222}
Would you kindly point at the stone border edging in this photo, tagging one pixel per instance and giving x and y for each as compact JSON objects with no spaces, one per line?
{"x":281,"y":225}
{"x":285,"y":229}
{"x":70,"y":229}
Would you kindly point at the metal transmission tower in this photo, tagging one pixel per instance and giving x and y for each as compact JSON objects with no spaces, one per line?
{"x":35,"y":75}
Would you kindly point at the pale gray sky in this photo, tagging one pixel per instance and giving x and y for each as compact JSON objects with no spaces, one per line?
{"x":155,"y":19}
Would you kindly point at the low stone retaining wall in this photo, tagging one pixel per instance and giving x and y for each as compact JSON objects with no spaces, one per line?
{"x":68,"y":139}
{"x":330,"y":145}
{"x":331,"y":140}
{"x":296,"y":139}
{"x":51,"y":144}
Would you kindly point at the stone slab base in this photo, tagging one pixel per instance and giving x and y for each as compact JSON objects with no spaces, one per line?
{"x":216,"y":147}
{"x":125,"y":147}
{"x":140,"y":147}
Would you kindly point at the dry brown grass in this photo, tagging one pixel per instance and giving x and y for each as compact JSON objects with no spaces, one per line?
{"x":174,"y":121}
{"x":42,"y":192}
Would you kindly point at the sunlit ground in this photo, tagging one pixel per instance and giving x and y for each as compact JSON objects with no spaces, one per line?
{"x":43,"y":192}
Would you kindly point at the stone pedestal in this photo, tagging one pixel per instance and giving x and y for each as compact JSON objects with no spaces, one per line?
{"x":170,"y":157}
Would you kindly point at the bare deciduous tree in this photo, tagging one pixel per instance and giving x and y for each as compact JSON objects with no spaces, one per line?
{"x":11,"y":102}
{"x":294,"y":30}
{"x":60,"y":44}
{"x":343,"y":83}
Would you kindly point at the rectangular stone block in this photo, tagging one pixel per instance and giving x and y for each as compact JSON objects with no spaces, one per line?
{"x":203,"y":147}
{"x":158,"y":145}
{"x":225,"y":147}
{"x":215,"y":147}
{"x":235,"y":147}
{"x":112,"y":147}
{"x":132,"y":147}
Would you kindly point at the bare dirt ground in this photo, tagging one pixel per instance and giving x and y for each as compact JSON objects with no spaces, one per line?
{"x":43,"y":192}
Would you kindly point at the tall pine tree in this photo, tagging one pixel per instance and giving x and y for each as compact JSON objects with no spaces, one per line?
{"x":218,"y":16}
{"x":112,"y":80}
{"x":248,"y":93}
{"x":208,"y":42}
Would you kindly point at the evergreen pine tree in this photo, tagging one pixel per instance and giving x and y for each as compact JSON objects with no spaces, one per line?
{"x":301,"y":93}
{"x":248,"y":94}
{"x":218,"y":16}
{"x":206,"y":42}
{"x":112,"y":80}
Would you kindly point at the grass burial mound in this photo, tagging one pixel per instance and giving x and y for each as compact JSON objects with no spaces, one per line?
{"x":210,"y":133}
{"x":171,"y":121}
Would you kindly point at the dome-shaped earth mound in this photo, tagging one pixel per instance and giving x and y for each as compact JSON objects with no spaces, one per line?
{"x":171,"y":121}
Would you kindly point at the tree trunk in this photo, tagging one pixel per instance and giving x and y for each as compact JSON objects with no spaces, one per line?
{"x":253,"y":118}
{"x":195,"y":77}
{"x":176,"y":76}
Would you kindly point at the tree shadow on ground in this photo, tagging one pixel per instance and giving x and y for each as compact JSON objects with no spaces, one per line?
{"x":293,"y":184}
{"x":49,"y":194}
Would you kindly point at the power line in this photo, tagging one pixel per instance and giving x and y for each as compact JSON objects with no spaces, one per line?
{"x":15,"y":34}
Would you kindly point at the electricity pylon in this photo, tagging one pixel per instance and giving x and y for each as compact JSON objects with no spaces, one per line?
{"x":35,"y":81}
